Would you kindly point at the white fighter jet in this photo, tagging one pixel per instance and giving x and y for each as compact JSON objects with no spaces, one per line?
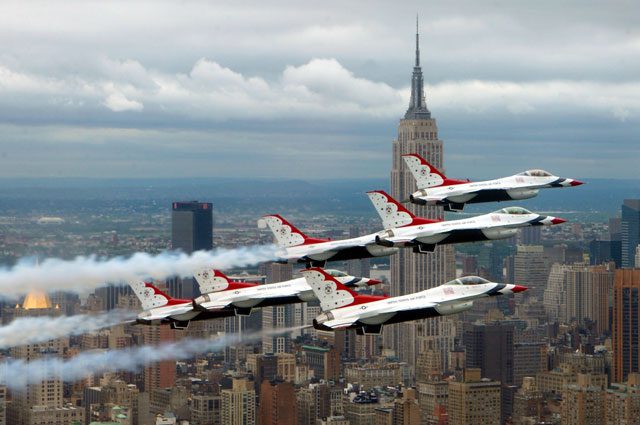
{"x":345,"y":309}
{"x":403,"y":229}
{"x":242,"y":300}
{"x":436,"y":189}
{"x":159,"y":308}
{"x":297,"y":247}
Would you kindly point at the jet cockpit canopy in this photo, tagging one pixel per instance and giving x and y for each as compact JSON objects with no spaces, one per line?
{"x":535,"y":173}
{"x":468,"y":280}
{"x":513,"y":210}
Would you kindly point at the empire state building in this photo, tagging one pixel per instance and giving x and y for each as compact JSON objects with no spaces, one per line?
{"x":412,"y":272}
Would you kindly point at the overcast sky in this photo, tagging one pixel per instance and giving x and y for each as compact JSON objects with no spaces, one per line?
{"x":315,"y":89}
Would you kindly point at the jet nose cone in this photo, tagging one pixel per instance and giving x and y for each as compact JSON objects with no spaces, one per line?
{"x":558,"y":220}
{"x":576,"y":183}
{"x":519,"y":288}
{"x":371,"y":282}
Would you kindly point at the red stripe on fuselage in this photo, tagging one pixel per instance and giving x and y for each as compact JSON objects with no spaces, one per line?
{"x":366,"y":299}
{"x":310,"y":241}
{"x":170,"y":301}
{"x":453,"y":182}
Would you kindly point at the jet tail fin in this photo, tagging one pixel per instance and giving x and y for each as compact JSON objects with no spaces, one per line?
{"x":216,"y":281}
{"x":426,"y":175}
{"x":393,"y":213}
{"x":150,"y":296}
{"x":329,"y":291}
{"x":286,"y":234}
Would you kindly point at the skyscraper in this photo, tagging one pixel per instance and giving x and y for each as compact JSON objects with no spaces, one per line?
{"x":191,"y":230}
{"x":191,"y":226}
{"x":489,"y":347}
{"x":276,"y":407}
{"x":630,"y":231}
{"x":410,"y":272}
{"x":531,"y":268}
{"x":238,"y":404}
{"x":579,"y":292}
{"x":625,"y":329}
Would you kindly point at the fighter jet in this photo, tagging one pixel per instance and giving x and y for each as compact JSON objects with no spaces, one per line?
{"x":241,"y":301}
{"x":345,"y":309}
{"x":298,"y":247}
{"x":436,"y":189}
{"x":159,"y":308}
{"x":403,"y":229}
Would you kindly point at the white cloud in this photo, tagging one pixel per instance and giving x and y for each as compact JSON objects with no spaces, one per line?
{"x":616,"y":100}
{"x":320,"y":88}
{"x":117,"y":102}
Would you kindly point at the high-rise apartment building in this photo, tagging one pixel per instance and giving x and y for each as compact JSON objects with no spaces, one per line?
{"x":276,"y":407}
{"x":579,"y":292}
{"x":406,"y":410}
{"x":238,"y":404}
{"x":625,"y":328}
{"x":433,"y":396}
{"x":528,"y":403}
{"x":191,"y":230}
{"x":313,"y":402}
{"x":474,"y":401}
{"x":630,"y":231}
{"x":160,"y":374}
{"x":583,"y":402}
{"x":531,"y":269}
{"x":411,"y":272}
{"x":622,"y":402}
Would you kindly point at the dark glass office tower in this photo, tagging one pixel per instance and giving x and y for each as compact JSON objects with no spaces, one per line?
{"x":191,"y":226}
{"x":191,"y":230}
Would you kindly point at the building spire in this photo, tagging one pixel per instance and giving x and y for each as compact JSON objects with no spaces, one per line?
{"x":417,"y":43}
{"x":417,"y":105}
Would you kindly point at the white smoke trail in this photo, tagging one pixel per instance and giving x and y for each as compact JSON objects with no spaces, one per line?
{"x":83,"y":274}
{"x":32,"y":330}
{"x":17,"y":374}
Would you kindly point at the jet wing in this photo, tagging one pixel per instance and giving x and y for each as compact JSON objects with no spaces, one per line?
{"x":216,"y":304}
{"x":341,"y":323}
{"x":151,"y":315}
{"x":340,"y":245}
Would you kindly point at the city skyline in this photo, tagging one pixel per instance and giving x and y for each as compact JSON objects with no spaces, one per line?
{"x":319,"y":324}
{"x":511,"y":84}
